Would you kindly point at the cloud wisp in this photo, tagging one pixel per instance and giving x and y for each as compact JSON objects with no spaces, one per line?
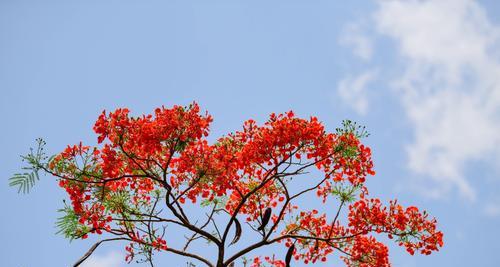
{"x":352,"y":36}
{"x":353,"y":90}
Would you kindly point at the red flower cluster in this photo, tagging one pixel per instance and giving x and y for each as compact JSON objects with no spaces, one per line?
{"x":257,"y":262}
{"x":413,"y":229}
{"x":366,"y":251}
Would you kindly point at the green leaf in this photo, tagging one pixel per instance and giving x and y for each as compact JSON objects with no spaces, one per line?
{"x":23,"y":181}
{"x":35,"y":161}
{"x":68,"y":224}
{"x":350,"y":127}
{"x":345,"y":192}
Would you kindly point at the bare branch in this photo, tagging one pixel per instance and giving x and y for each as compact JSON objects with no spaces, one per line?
{"x":93,"y":248}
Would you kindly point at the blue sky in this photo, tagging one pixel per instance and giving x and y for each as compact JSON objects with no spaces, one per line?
{"x":423,"y":76}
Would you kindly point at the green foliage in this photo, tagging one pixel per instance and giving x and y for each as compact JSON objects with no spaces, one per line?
{"x":346,"y":150}
{"x":118,"y":201}
{"x":219,"y":202}
{"x":68,"y":224}
{"x":350,"y":127}
{"x":345,"y":192}
{"x":35,"y":161}
{"x":181,"y":145}
{"x":24,"y":181}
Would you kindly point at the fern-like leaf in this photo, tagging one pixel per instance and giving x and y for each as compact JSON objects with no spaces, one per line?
{"x":24,"y":181}
{"x":68,"y":224}
{"x":35,"y":161}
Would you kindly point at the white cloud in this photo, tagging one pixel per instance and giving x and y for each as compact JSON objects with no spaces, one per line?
{"x":352,"y":91}
{"x":361,"y":45}
{"x":492,"y":209}
{"x":111,"y":259}
{"x":449,"y":85}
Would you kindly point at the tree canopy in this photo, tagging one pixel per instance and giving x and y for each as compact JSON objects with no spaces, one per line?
{"x":136,"y":185}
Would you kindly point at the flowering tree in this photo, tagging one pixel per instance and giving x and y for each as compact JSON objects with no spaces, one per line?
{"x":147,"y":171}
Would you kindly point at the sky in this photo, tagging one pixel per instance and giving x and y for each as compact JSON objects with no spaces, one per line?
{"x":423,"y":76}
